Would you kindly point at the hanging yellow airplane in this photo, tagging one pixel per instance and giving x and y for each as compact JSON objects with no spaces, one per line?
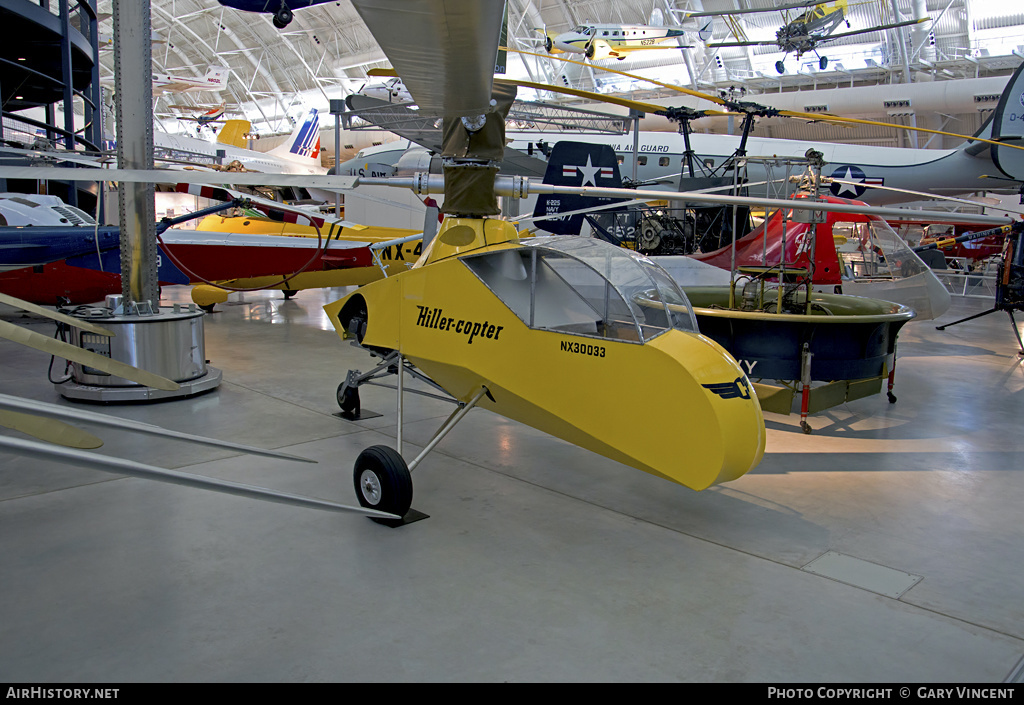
{"x":807,"y":31}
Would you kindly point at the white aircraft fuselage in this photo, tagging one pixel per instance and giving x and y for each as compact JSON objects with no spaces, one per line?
{"x":660,"y":156}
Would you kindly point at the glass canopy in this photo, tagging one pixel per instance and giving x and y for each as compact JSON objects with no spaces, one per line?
{"x":586,"y":287}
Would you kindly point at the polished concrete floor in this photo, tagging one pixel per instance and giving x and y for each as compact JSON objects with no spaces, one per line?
{"x":884,"y":547}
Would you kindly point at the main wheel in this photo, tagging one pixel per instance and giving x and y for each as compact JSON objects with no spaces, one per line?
{"x":823,"y":63}
{"x":780,"y":67}
{"x":382,"y":480}
{"x":289,"y":293}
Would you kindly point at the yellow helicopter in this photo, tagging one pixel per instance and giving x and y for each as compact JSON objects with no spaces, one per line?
{"x":529,"y":328}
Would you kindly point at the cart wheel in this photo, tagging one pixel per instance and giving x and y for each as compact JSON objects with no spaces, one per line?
{"x":348,"y":399}
{"x":382,"y":481}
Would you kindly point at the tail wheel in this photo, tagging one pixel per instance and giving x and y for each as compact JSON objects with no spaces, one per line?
{"x":282,"y":17}
{"x":348,"y":399}
{"x":382,"y":480}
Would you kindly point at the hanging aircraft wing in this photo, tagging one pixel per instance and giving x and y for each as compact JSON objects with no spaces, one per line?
{"x":832,"y":37}
{"x":438,"y":53}
{"x":717,"y":13}
{"x":744,"y":44}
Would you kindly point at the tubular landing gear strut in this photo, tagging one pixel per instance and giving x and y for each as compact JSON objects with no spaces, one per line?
{"x":381,"y":476}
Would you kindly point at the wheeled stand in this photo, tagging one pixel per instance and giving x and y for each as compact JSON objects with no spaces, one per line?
{"x":382,"y":477}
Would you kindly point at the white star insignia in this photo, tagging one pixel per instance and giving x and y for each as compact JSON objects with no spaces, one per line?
{"x":847,"y":188}
{"x":589,"y":173}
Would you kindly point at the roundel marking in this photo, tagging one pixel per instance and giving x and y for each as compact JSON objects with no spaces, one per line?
{"x":848,"y":173}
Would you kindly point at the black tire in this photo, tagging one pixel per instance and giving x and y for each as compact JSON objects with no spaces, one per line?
{"x":282,"y":18}
{"x":823,"y":63}
{"x":382,"y":481}
{"x":348,"y":399}
{"x":589,"y":51}
{"x":548,"y":45}
{"x":208,"y":308}
{"x":289,"y":293}
{"x":780,"y":67}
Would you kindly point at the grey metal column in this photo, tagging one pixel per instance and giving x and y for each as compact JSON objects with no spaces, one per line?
{"x":901,"y":42}
{"x":68,"y":102}
{"x":133,"y":86}
{"x":337,"y":108}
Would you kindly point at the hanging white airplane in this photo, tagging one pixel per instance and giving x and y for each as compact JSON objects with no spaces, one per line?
{"x":299,"y":154}
{"x":617,"y":41}
{"x":215,"y":79}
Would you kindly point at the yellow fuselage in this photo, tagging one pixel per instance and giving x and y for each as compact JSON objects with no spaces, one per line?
{"x":640,"y":404}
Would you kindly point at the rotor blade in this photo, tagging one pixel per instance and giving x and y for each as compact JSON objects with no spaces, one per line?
{"x":82,"y":356}
{"x":814,"y":117}
{"x":516,"y":186}
{"x":443,"y":50}
{"x":678,"y":89}
{"x":176,"y":176}
{"x":70,"y":320}
{"x":635,"y":104}
{"x":827,"y":180}
{"x":120,"y":466}
{"x":38,"y":407}
{"x":825,"y":117}
{"x":49,"y":430}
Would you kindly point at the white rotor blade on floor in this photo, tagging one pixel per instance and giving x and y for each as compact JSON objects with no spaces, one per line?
{"x":49,"y":430}
{"x":70,"y":320}
{"x":38,"y":407}
{"x":120,"y":466}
